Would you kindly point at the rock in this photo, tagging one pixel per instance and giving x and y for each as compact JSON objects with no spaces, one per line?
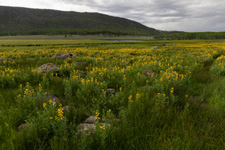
{"x":81,"y":72}
{"x":68,"y":108}
{"x":197,"y":100}
{"x":52,"y":97}
{"x":204,"y":101}
{"x":48,"y":67}
{"x":86,"y":128}
{"x":148,"y":72}
{"x":2,"y":60}
{"x":115,"y":120}
{"x":65,"y":56}
{"x":111,"y":91}
{"x":22,"y":127}
{"x":91,"y":119}
{"x":80,"y":63}
{"x":56,"y":55}
{"x":47,"y":97}
{"x":155,"y":47}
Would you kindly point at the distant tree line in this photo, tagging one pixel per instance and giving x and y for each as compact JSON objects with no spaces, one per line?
{"x":192,"y":35}
{"x":66,"y":32}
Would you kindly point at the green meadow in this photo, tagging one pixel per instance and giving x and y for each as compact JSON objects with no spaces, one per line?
{"x":137,"y":93}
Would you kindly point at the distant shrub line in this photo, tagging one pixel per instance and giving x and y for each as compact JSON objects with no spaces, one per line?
{"x":168,"y":36}
{"x":67,"y":32}
{"x":192,"y":35}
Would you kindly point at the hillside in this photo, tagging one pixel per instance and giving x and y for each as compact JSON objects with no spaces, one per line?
{"x":15,"y":20}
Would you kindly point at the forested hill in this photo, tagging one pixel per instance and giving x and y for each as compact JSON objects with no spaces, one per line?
{"x":16,"y":20}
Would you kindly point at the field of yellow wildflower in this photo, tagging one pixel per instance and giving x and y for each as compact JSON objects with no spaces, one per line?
{"x":112,"y":95}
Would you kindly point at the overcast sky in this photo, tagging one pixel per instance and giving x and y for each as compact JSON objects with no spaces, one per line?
{"x":182,"y":15}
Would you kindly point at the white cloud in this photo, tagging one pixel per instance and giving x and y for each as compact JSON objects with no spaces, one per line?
{"x":185,"y":15}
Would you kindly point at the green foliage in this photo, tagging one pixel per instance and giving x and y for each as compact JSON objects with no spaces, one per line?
{"x":191,"y":36}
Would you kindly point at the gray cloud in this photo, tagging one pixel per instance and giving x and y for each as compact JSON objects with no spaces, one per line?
{"x":151,"y":13}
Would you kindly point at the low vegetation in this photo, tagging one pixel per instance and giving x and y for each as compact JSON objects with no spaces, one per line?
{"x":138,"y":95}
{"x":191,"y":36}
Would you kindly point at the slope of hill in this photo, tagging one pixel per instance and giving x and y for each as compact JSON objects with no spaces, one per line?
{"x":16,"y":20}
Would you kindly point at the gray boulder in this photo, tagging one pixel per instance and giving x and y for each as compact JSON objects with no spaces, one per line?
{"x":47,"y":97}
{"x":52,"y":97}
{"x":148,"y":72}
{"x":48,"y":67}
{"x":111,"y":91}
{"x":198,"y":100}
{"x":5,"y":60}
{"x":81,"y":72}
{"x":155,"y":47}
{"x":68,"y":108}
{"x":22,"y":127}
{"x":81,"y":63}
{"x":91,"y":119}
{"x":86,"y":128}
{"x":65,"y":56}
{"x":56,"y":56}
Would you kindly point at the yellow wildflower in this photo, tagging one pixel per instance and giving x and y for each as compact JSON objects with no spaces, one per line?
{"x":44,"y":105}
{"x":39,"y":87}
{"x":50,"y":101}
{"x":97,"y":115}
{"x":130,"y":99}
{"x":53,"y":103}
{"x":120,"y":89}
{"x":138,"y":95}
{"x":172,"y":90}
{"x":102,"y":127}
